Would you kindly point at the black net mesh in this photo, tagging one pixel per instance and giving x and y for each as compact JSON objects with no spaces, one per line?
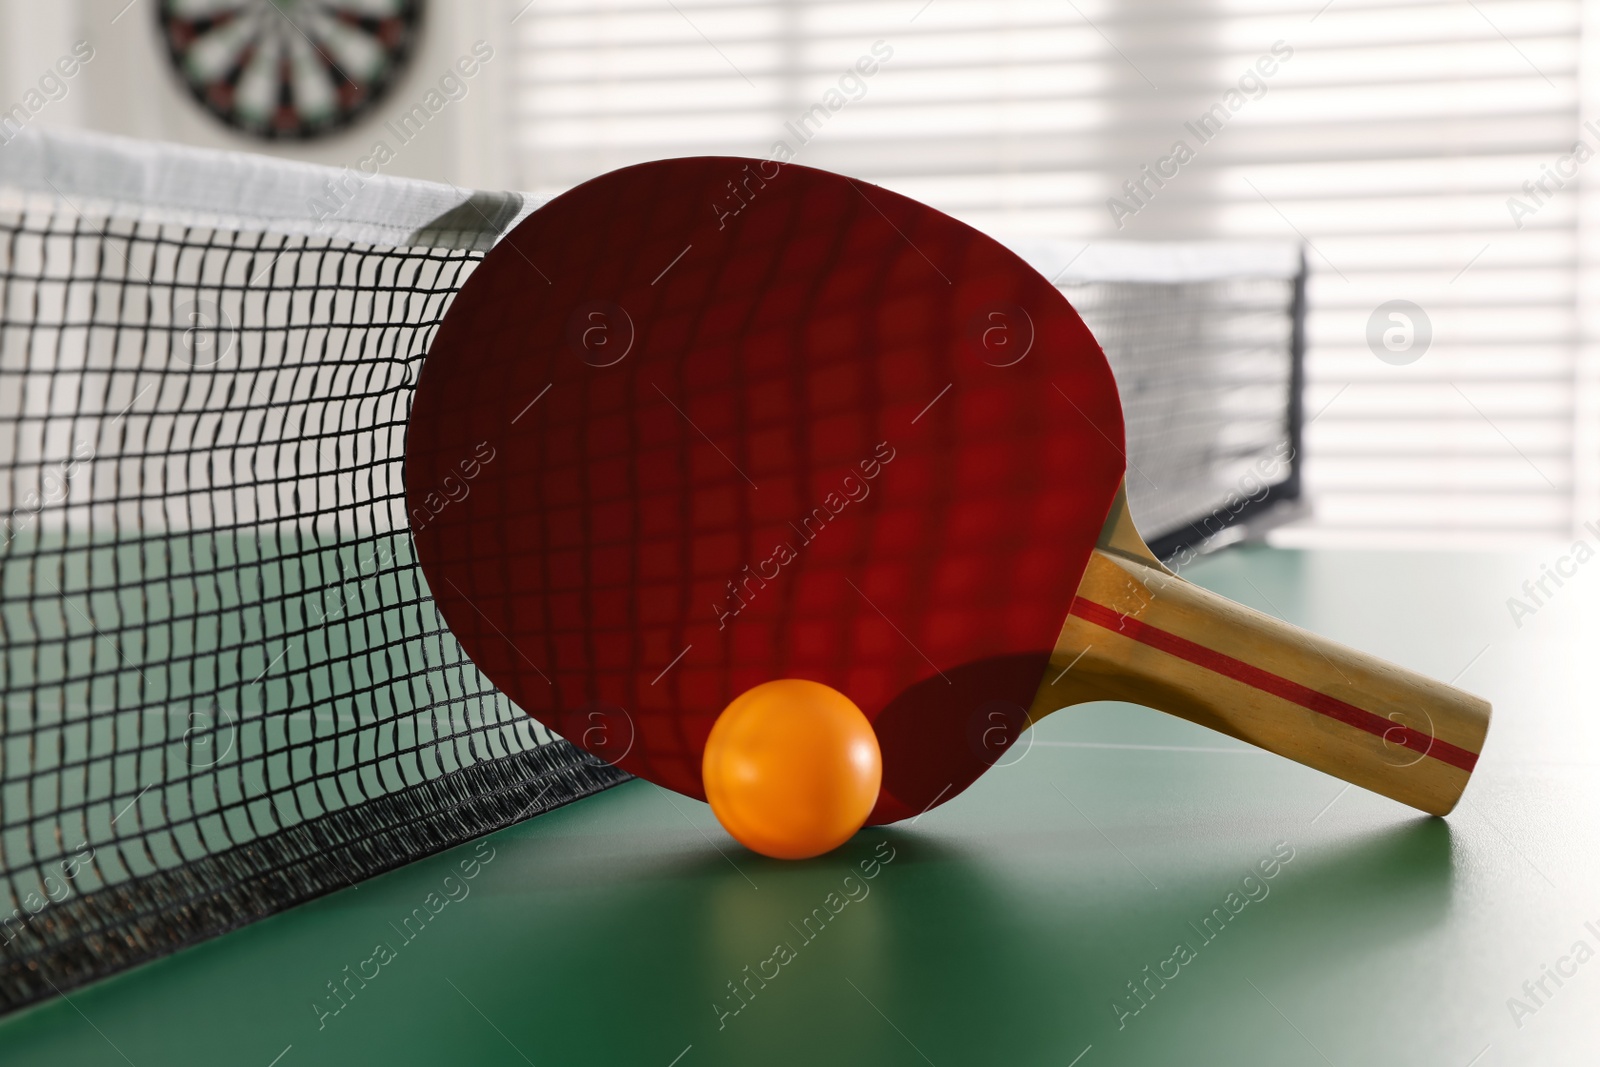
{"x":1209,"y":379}
{"x":225,"y":688}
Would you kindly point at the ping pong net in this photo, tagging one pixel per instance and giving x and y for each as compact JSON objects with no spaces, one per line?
{"x":224,"y":689}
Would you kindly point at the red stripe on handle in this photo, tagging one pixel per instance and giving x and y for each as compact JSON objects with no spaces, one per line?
{"x":1267,"y":682}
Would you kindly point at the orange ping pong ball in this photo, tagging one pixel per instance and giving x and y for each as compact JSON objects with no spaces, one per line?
{"x":792,"y":768}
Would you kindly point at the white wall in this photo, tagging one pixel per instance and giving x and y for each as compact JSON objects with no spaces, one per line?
{"x":129,"y":88}
{"x":1394,"y":142}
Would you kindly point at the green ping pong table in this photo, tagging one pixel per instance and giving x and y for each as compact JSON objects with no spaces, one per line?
{"x":1128,"y":889}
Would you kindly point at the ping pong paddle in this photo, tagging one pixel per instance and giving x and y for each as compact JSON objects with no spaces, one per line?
{"x":703,"y":423}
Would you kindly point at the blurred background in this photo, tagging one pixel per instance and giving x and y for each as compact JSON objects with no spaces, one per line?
{"x":1429,"y":152}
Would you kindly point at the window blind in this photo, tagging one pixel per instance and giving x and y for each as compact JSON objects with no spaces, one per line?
{"x":1397,"y":139}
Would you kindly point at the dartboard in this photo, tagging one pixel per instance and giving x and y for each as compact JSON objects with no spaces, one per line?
{"x":284,"y":69}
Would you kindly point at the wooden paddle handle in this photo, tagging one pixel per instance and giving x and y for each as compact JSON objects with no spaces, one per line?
{"x":1136,"y":632}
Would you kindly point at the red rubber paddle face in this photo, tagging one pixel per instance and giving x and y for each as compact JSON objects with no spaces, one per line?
{"x":703,"y":423}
